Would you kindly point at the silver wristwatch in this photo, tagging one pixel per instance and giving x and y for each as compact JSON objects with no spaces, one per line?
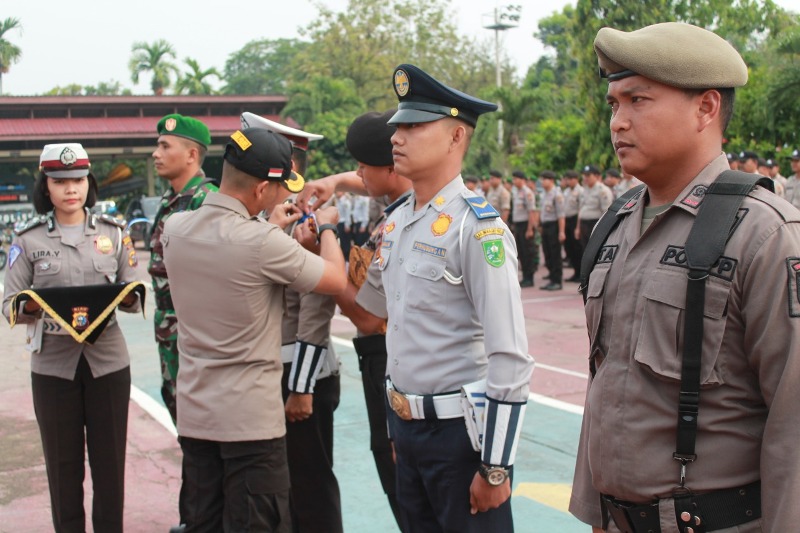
{"x":494,"y":475}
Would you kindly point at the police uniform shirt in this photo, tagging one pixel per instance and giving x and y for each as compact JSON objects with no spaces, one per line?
{"x":230,"y":298}
{"x":572,"y":201}
{"x":453,"y":299}
{"x":748,"y":426}
{"x":595,"y":201}
{"x":499,"y":197}
{"x":523,"y":202}
{"x":54,"y":256}
{"x":624,"y":186}
{"x":791,"y":190}
{"x":552,"y":205}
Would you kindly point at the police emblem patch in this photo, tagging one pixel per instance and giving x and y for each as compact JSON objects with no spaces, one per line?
{"x":80,"y":317}
{"x":793,"y":266}
{"x":441,"y":225}
{"x":401,"y":83}
{"x":389,"y":227}
{"x":132,"y":260}
{"x":170,"y":124}
{"x":695,"y":196}
{"x":68,"y":157}
{"x":103,"y":244}
{"x":494,"y":252}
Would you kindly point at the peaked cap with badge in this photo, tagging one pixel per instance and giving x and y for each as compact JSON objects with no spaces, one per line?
{"x":64,"y":160}
{"x":369,"y":139}
{"x":425,"y":99}
{"x":298,"y":138}
{"x":186,"y":127}
{"x":673,"y":53}
{"x":265,"y":155}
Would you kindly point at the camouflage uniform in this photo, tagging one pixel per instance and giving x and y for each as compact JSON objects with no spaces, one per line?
{"x":166,"y":324}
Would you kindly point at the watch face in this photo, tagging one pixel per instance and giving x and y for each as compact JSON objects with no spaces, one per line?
{"x":496,"y":476}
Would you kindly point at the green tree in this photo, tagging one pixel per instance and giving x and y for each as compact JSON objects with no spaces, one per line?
{"x":153,"y":58}
{"x":110,"y":88}
{"x":262,"y":66}
{"x":9,"y":52}
{"x":196,"y":80}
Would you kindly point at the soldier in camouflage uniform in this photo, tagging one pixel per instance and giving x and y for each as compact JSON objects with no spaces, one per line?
{"x":182,"y":145}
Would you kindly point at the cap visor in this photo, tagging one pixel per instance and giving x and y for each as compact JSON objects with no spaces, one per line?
{"x":295,"y":183}
{"x":414,"y":116}
{"x":75,"y":173}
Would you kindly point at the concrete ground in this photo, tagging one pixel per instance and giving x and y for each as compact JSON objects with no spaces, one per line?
{"x":543,"y":472}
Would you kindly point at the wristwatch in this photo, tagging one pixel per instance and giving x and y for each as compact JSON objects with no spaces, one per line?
{"x":323,"y":227}
{"x":494,"y":475}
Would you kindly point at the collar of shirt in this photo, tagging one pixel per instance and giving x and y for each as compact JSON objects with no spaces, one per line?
{"x":454,"y":187}
{"x":226,"y":202}
{"x":89,"y":224}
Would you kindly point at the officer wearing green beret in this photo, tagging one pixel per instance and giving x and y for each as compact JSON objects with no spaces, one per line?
{"x":724,"y":458}
{"x":178,"y":157}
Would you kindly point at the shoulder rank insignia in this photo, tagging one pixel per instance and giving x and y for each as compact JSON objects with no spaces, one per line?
{"x":111,"y":220}
{"x":481,"y":207}
{"x":32,"y":223}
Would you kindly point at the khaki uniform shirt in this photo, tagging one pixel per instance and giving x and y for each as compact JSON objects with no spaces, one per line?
{"x":748,"y":428}
{"x":552,"y":205}
{"x":624,"y":186}
{"x":572,"y":201}
{"x":500,"y":198}
{"x":49,"y":258}
{"x":791,"y":190}
{"x":595,"y":201}
{"x":453,"y":299}
{"x":230,"y":297}
{"x":523,"y":202}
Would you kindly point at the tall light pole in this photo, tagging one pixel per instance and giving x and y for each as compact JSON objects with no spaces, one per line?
{"x":501,"y":19}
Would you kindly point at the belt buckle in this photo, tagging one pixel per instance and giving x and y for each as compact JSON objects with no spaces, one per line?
{"x":400,"y":404}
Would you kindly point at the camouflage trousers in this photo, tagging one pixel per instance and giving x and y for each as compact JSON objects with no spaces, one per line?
{"x":166,"y":329}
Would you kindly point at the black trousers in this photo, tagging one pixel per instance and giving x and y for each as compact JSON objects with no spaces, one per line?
{"x":435,"y":468}
{"x":526,"y":248}
{"x":235,"y":487}
{"x":75,"y":415}
{"x":371,"y":352}
{"x":586,"y":231}
{"x":315,"y":499}
{"x":552,"y":250}
{"x":572,"y":246}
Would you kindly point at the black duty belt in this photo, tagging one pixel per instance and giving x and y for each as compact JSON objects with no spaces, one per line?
{"x":695,"y":513}
{"x":369,"y":346}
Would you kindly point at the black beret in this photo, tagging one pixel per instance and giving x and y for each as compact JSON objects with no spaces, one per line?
{"x":744,"y":156}
{"x":591,"y":169}
{"x":732,"y":156}
{"x":519,"y":174}
{"x":547,"y":175}
{"x":613,"y":172}
{"x":369,"y":139}
{"x":495,"y":174}
{"x":471,"y":179}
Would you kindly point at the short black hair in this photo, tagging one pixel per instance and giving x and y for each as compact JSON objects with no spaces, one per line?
{"x":519,"y":174}
{"x":41,"y":198}
{"x":569,"y":174}
{"x":495,"y":173}
{"x":727,"y":100}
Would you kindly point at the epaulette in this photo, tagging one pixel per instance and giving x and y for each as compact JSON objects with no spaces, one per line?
{"x":397,"y":203}
{"x":32,"y":223}
{"x":481,"y":207}
{"x":112,"y":220}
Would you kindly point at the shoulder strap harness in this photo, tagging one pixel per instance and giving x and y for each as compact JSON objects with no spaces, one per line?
{"x":704,"y":246}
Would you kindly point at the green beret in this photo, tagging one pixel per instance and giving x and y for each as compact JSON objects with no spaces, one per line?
{"x":672,"y":53}
{"x":187,"y":127}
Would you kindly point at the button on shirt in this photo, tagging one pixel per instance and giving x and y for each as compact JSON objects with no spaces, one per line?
{"x":750,"y":367}
{"x":229,"y":297}
{"x":455,"y":316}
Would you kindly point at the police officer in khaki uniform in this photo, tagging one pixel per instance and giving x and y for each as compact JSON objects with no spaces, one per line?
{"x":594,"y":202}
{"x":310,"y":384}
{"x":671,"y":92}
{"x":499,"y":197}
{"x":80,"y":390}
{"x":525,"y":214}
{"x":230,"y":411}
{"x":572,"y":205}
{"x":455,"y":318}
{"x":553,"y":228}
{"x":791,"y":188}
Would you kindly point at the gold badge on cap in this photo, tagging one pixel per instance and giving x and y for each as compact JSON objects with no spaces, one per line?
{"x":170,"y":124}
{"x":401,"y":83}
{"x":68,"y":157}
{"x":453,"y":112}
{"x":240,"y":139}
{"x":103,"y":244}
{"x":441,"y":225}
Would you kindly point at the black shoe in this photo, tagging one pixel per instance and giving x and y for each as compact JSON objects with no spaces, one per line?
{"x":574,"y":279}
{"x":551,"y":287}
{"x":546,"y":277}
{"x":178,"y":529}
{"x":526,"y":283}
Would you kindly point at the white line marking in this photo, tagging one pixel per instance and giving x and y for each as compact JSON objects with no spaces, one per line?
{"x":581,"y":375}
{"x":153,"y":408}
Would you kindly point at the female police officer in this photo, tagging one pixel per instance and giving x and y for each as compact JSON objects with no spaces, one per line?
{"x":77,"y":386}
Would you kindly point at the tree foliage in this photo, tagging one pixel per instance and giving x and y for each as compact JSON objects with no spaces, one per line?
{"x":153,"y":58}
{"x":261,"y":67}
{"x":9,"y":52}
{"x":196,"y":80}
{"x":110,"y":88}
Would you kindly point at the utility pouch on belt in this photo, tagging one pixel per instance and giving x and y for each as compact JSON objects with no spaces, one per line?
{"x":33,"y":336}
{"x":473,"y":402}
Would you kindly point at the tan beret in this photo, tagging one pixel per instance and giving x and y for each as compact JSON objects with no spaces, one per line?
{"x":673,"y":53}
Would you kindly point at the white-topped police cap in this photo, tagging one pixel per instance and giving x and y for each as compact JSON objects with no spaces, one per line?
{"x":673,"y":53}
{"x":422,"y":98}
{"x":65,"y":160}
{"x":299,"y":138}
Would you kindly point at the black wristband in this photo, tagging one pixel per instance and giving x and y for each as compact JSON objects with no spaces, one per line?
{"x":323,"y":227}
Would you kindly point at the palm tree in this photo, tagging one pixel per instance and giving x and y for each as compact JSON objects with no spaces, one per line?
{"x":9,"y":53}
{"x":195,"y":82}
{"x":153,"y":58}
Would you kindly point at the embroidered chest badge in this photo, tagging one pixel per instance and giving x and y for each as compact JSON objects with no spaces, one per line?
{"x":494,"y":252}
{"x":441,"y":225}
{"x":793,"y":265}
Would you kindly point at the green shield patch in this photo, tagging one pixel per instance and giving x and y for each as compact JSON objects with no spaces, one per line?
{"x":494,"y":252}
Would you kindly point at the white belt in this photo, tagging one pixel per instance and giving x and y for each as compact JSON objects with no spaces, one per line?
{"x":411,"y":406}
